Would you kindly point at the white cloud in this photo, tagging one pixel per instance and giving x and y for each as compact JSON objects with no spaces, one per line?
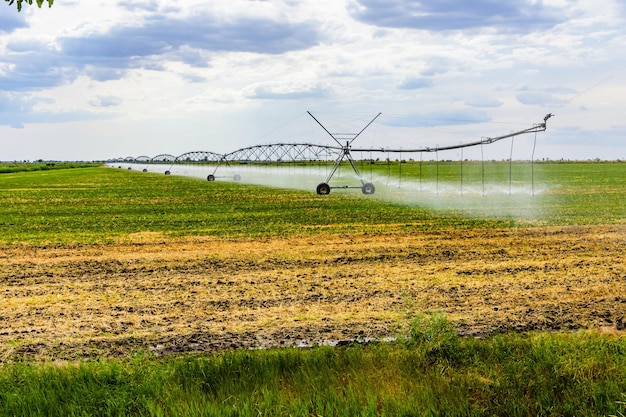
{"x":106,"y":101}
{"x":438,"y":15}
{"x":415,"y":83}
{"x":269,"y":93}
{"x":238,"y":69}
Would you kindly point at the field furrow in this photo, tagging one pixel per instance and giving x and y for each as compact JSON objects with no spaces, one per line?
{"x":204,"y":293}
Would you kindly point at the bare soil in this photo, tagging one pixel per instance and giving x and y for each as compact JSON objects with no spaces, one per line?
{"x":163,"y":295}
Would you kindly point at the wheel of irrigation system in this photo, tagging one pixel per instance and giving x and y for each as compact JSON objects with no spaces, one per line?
{"x":368,"y":188}
{"x":237,"y":177}
{"x":145,"y":170}
{"x":211,"y":178}
{"x":323,"y":189}
{"x":167,"y":173}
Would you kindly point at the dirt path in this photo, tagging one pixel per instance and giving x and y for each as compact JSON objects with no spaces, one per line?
{"x":199,"y":294}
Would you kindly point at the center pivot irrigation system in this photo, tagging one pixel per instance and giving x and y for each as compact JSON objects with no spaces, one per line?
{"x":368,"y":187}
{"x":281,"y":152}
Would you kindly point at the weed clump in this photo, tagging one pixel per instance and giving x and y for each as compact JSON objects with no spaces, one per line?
{"x":434,"y":337}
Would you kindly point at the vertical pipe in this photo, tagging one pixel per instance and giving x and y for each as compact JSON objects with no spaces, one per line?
{"x":421,"y":156}
{"x":532,"y":165}
{"x":461,"y":170}
{"x":511,"y":166}
{"x":437,"y":169}
{"x":482,"y":157}
{"x":388,"y":168}
{"x":400,"y":172}
{"x":362,"y":163}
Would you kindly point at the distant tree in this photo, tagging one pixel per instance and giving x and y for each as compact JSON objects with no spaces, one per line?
{"x":39,"y":3}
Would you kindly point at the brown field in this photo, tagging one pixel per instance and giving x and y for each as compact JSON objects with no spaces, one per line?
{"x":164,"y":295}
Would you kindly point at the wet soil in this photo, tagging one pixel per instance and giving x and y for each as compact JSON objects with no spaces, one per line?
{"x":163,"y":295}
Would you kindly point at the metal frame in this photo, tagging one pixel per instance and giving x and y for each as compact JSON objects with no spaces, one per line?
{"x":368,"y":187}
{"x":204,"y":157}
{"x":324,"y":187}
{"x":282,"y":152}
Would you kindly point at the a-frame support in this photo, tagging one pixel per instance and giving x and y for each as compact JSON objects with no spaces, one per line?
{"x":366,"y":187}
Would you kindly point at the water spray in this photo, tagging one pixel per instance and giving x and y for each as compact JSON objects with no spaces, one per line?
{"x":308,"y":153}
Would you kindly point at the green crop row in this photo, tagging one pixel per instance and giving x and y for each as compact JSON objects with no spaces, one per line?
{"x":103,"y":204}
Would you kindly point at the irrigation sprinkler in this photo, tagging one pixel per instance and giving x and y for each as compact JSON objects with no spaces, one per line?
{"x":368,"y":187}
{"x":142,"y":160}
{"x":324,"y":187}
{"x":202,"y":158}
{"x":277,"y":153}
{"x":162,"y":159}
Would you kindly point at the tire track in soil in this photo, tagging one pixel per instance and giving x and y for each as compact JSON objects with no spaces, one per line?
{"x":205,"y":294}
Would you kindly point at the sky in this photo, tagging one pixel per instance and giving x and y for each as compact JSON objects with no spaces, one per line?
{"x":101,"y":80}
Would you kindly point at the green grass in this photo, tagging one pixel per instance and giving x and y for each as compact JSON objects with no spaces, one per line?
{"x":512,"y":375}
{"x":9,"y":167}
{"x":102,"y":204}
{"x":435,"y":372}
{"x":554,"y":193}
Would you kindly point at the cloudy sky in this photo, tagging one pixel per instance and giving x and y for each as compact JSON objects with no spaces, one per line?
{"x":98,"y":80}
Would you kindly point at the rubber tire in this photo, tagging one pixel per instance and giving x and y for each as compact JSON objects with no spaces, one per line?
{"x":145,"y":170}
{"x":167,"y":173}
{"x":237,"y":177}
{"x":323,"y":189}
{"x":211,"y":178}
{"x":368,"y":188}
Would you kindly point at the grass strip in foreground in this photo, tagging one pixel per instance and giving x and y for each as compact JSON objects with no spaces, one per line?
{"x":435,"y":372}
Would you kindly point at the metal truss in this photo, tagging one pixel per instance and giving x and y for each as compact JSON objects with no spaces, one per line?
{"x":204,"y":158}
{"x":162,"y":158}
{"x":296,"y":152}
{"x":199,"y":157}
{"x":283,"y":152}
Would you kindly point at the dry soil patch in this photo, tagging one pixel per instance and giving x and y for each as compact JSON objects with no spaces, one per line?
{"x":206,"y":294}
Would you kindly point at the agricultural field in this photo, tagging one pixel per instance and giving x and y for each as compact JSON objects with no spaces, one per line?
{"x":106,"y":263}
{"x":9,"y":167}
{"x":102,"y":261}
